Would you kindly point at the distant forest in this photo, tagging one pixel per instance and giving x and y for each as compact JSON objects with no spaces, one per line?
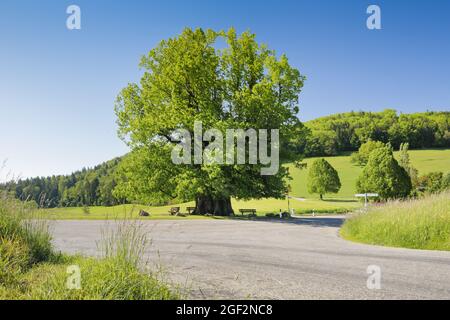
{"x":327,"y":136}
{"x":332,"y":135}
{"x":87,"y":187}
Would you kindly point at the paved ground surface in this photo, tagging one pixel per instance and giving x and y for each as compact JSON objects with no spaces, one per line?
{"x":302,"y":259}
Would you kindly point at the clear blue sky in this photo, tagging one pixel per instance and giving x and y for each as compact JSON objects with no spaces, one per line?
{"x":57,"y":87}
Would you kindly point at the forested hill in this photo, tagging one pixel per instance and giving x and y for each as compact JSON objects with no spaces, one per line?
{"x":86,"y":187}
{"x":325,"y":136}
{"x":334,"y":134}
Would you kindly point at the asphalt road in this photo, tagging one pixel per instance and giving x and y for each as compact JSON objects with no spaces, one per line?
{"x":302,"y":259}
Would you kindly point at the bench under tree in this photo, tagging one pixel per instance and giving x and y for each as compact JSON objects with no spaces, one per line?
{"x":251,"y":211}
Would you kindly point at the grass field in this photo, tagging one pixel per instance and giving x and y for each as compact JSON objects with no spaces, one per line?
{"x":262,"y":206}
{"x":424,"y":160}
{"x":416,"y":224}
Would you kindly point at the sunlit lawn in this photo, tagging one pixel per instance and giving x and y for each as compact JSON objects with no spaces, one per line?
{"x":262,"y":206}
{"x":424,"y":160}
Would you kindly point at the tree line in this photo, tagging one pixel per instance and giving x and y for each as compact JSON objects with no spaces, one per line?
{"x":87,"y":187}
{"x":334,"y":134}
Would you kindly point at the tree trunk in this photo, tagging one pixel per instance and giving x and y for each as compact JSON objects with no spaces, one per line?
{"x":215,"y":206}
{"x":321,"y":197}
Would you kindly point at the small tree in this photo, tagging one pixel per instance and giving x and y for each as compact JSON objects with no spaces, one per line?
{"x":384,"y":175}
{"x":323,"y":178}
{"x":433,"y":182}
{"x":362,"y":156}
{"x":405,"y":163}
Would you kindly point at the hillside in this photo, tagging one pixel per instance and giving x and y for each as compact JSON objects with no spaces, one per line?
{"x":425,"y":161}
{"x":88,"y":186}
{"x":333,"y":135}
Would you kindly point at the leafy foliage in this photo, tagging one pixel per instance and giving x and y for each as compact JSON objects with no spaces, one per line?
{"x":433,"y":182}
{"x":334,"y":134}
{"x":323,"y":136}
{"x":446,"y":182}
{"x":383,"y":175}
{"x":362,"y":156}
{"x":323,"y":178}
{"x":188,"y":79}
{"x":88,"y":187}
{"x":405,"y":162}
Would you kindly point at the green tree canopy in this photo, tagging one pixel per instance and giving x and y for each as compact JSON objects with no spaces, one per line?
{"x":323,"y":178}
{"x":191,"y":78}
{"x":87,"y":187}
{"x":405,"y":163}
{"x":446,"y":182}
{"x":347,"y":131}
{"x":362,"y":156}
{"x":383,"y":175}
{"x":433,"y":182}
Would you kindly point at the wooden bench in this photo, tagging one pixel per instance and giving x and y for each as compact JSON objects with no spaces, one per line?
{"x":190,"y":210}
{"x":174,"y":211}
{"x":252,"y":211}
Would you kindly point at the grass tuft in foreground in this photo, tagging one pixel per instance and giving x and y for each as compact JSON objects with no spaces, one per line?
{"x":105,"y":279}
{"x":416,"y":224}
{"x":30,"y":269}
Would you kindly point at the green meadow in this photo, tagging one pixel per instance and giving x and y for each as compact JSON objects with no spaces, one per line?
{"x":424,"y":160}
{"x":262,"y":207}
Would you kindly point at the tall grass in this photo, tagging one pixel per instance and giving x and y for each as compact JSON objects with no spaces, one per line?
{"x":24,"y":239}
{"x":119,"y":274}
{"x":417,"y":224}
{"x":124,"y":241}
{"x":30,"y":269}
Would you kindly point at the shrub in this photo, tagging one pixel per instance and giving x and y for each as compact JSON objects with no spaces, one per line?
{"x":362,"y":156}
{"x":446,"y":182}
{"x":383,"y":175}
{"x":433,"y":182}
{"x":405,"y":162}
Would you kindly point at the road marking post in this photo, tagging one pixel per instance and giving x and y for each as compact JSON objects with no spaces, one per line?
{"x":366,"y":197}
